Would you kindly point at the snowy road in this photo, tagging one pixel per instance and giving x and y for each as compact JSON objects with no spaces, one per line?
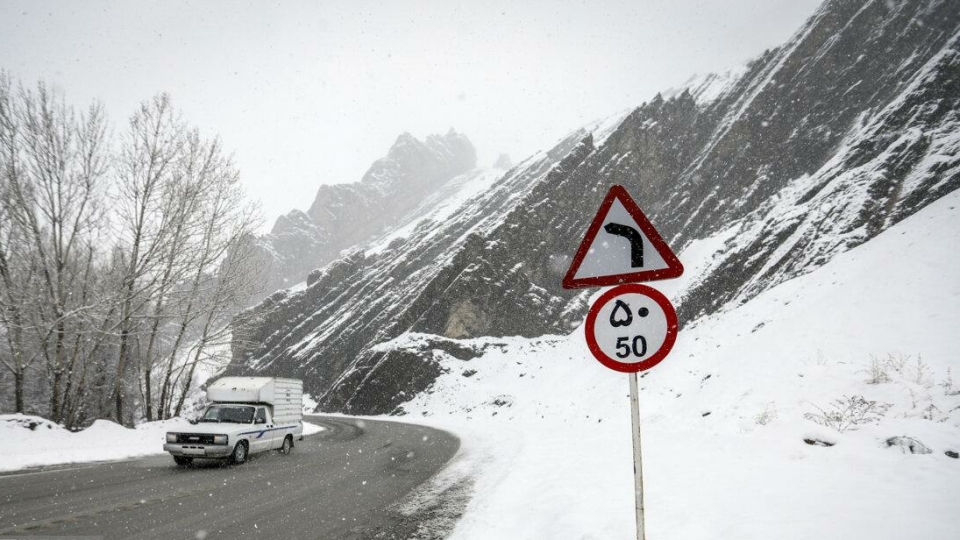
{"x":336,"y":484}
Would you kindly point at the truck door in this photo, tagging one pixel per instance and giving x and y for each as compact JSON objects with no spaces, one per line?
{"x":276,"y":435}
{"x":263,"y":439}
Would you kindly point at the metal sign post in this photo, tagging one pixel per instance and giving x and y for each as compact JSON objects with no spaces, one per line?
{"x":637,"y":455}
{"x":631,"y":327}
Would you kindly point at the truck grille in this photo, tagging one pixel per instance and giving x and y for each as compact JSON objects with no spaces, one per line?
{"x":193,"y":438}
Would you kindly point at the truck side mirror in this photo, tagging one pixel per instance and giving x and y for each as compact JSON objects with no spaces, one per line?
{"x":260,"y":421}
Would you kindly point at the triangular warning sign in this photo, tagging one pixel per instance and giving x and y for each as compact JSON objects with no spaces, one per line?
{"x":621,"y":246}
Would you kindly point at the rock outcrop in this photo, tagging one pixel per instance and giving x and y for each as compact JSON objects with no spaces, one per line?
{"x":343,"y":215}
{"x":813,"y":148}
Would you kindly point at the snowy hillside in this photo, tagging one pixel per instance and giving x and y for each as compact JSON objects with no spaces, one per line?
{"x":733,"y":438}
{"x":378,"y":291}
{"x":790,"y":161}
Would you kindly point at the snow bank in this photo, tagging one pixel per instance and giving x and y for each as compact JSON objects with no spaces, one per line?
{"x":771,"y":420}
{"x":32,"y":441}
{"x":49,"y":444}
{"x":311,"y":429}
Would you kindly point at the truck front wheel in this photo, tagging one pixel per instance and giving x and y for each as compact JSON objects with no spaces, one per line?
{"x":182,"y":461}
{"x":287,"y":445}
{"x":239,"y":452}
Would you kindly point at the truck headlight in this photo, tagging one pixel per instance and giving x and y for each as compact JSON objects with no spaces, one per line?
{"x":171,"y":437}
{"x":219,"y":439}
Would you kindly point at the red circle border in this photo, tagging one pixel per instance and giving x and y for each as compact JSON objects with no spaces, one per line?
{"x":673,"y":328}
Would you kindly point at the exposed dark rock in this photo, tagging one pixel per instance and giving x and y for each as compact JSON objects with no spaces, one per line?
{"x":818,"y":146}
{"x":908,"y":445}
{"x":819,"y":442}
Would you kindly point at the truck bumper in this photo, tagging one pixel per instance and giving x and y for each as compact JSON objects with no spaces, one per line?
{"x":197,"y":450}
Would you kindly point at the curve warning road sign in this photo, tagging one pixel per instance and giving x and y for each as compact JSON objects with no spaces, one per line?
{"x":621,"y":246}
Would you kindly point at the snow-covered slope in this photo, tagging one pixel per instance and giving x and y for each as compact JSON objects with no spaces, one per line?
{"x":814,"y":148}
{"x":324,"y":333}
{"x":846,"y":129}
{"x":728,"y":419}
{"x":708,"y":88}
{"x":437,"y":207}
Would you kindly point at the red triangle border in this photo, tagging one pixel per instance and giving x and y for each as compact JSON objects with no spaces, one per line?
{"x":674,"y":267}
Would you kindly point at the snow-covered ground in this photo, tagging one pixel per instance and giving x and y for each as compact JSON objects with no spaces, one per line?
{"x":31,"y":441}
{"x":864,"y":349}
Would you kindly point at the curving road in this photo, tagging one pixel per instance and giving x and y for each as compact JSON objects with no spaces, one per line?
{"x":337,"y":484}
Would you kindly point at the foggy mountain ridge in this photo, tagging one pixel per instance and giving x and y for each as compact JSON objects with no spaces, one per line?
{"x":814,"y":148}
{"x":342,"y":215}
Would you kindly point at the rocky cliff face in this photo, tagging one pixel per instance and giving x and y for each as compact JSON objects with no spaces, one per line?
{"x":397,"y":283}
{"x":344,"y":214}
{"x":815,"y":147}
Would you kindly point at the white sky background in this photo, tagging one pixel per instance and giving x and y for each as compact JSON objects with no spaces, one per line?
{"x":307,"y":93}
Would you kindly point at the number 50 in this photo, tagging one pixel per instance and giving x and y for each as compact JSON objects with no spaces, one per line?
{"x":638,"y":346}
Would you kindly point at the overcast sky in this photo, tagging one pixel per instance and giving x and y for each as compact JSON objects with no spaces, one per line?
{"x":307,"y":93}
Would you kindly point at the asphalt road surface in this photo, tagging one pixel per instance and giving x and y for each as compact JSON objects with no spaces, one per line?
{"x":337,"y":484}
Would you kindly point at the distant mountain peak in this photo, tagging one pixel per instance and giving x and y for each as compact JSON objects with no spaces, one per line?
{"x":342,"y":215}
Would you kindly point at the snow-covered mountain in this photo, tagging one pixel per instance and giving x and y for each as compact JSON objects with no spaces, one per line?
{"x":342,"y":215}
{"x":812,"y":149}
{"x":374,"y":294}
{"x":825,"y":407}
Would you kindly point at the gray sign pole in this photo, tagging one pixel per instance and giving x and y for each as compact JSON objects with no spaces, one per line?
{"x":637,"y":459}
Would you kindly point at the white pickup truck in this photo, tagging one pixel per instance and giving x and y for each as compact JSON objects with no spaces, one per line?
{"x":247,"y":415}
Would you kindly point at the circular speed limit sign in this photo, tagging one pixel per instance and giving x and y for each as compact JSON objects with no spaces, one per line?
{"x":631,"y":328}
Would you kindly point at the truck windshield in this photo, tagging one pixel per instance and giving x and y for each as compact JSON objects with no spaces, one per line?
{"x":228,"y":413}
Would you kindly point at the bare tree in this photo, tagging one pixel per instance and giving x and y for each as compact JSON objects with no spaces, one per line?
{"x":54,"y":187}
{"x":149,"y":152}
{"x":215,"y":289}
{"x":16,"y":271}
{"x":184,"y":193}
{"x":235,"y":281}
{"x":101,"y":273}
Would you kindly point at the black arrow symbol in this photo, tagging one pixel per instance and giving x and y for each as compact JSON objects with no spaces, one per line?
{"x":635,"y":238}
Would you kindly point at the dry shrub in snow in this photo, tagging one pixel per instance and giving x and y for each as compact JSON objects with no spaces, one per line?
{"x":768,"y":415}
{"x":948,"y":387}
{"x":897,"y":362}
{"x":877,"y":371}
{"x":920,"y":373}
{"x":848,"y":412}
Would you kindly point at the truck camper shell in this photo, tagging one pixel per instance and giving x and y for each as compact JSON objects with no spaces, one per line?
{"x":284,"y":395}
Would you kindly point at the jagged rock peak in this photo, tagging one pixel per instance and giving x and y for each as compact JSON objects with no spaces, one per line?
{"x":435,"y":156}
{"x":343,"y":215}
{"x":292,"y":221}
